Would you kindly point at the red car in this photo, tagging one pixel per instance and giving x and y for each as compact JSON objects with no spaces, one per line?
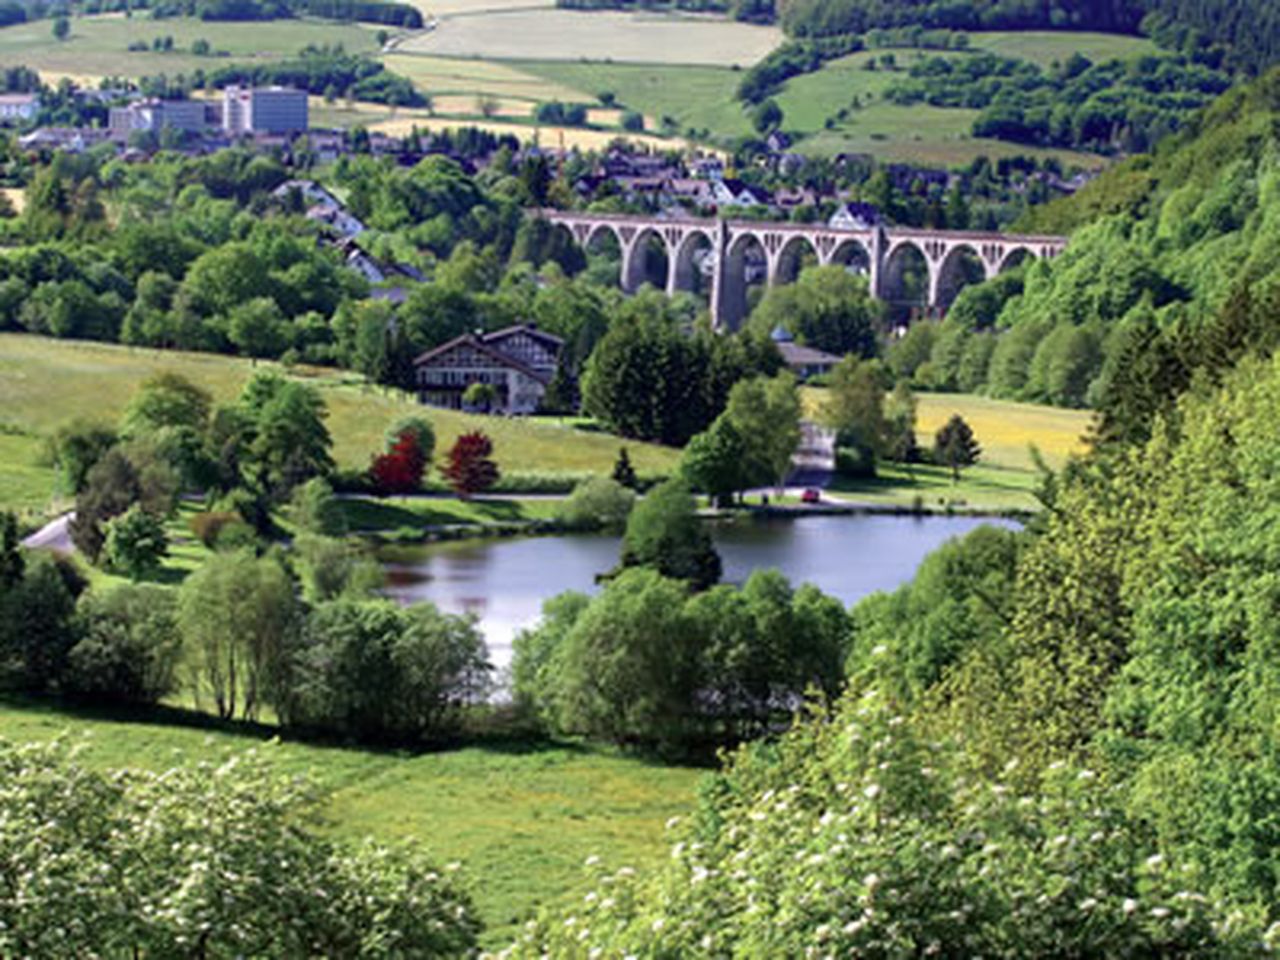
{"x":811,"y":495}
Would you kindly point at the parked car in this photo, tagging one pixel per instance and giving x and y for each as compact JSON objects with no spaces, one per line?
{"x":811,"y":495}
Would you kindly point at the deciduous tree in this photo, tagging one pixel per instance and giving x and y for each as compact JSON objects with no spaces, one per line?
{"x":470,"y":468}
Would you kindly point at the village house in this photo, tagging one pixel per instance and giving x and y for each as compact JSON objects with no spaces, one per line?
{"x":855,"y":216}
{"x":66,"y":139}
{"x":519,"y":362}
{"x":804,"y":362}
{"x":735,"y":193}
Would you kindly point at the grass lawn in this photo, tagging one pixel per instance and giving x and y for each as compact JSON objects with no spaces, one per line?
{"x":642,"y":37}
{"x":984,"y":487}
{"x":46,"y":382}
{"x":395,"y":513}
{"x":98,"y":46}
{"x":521,"y":819}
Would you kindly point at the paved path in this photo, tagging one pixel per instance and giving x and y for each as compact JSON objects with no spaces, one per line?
{"x":54,"y":535}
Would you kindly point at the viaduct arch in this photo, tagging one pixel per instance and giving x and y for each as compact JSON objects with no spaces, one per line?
{"x":944,"y":260}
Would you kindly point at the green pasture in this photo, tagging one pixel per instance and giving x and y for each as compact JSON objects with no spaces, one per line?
{"x":98,"y":45}
{"x":520,"y":818}
{"x":703,"y":98}
{"x":452,"y":75}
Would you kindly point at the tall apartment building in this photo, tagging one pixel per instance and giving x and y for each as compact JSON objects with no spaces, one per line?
{"x":263,"y":110}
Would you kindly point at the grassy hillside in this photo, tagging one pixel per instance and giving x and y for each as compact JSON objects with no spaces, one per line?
{"x":520,"y":820}
{"x":703,"y":98}
{"x":44,"y":383}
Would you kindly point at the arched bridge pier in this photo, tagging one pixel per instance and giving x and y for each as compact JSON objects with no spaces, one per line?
{"x":740,"y":251}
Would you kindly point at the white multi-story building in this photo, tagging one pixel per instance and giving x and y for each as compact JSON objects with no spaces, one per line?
{"x":153,"y":115}
{"x":249,"y":110}
{"x":18,"y":106}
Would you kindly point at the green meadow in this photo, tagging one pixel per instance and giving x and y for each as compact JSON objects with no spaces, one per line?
{"x":521,"y":818}
{"x":45,"y":383}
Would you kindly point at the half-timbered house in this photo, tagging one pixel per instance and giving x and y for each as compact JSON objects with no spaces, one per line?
{"x":518,"y":362}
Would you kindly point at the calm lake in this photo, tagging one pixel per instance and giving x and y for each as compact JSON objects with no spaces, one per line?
{"x":503,"y":582}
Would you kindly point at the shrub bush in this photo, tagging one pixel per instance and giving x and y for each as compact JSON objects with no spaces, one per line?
{"x":213,"y":860}
{"x":598,"y":503}
{"x":129,"y":646}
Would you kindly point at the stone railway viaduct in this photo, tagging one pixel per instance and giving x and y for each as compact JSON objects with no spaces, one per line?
{"x":884,"y":254}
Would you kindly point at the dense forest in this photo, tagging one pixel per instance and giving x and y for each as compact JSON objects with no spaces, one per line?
{"x":1246,"y":35}
{"x":1059,"y":741}
{"x":1129,"y":106}
{"x":1176,"y":248}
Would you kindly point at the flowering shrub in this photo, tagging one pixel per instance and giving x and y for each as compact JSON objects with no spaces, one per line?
{"x":204,"y":861}
{"x":855,"y":838}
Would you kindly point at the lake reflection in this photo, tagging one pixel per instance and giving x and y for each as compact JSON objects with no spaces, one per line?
{"x":504,"y":582}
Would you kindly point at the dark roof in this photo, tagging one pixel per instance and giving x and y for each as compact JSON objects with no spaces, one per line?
{"x":531,"y":329}
{"x":395,"y":295}
{"x":484,"y":342}
{"x":796,"y":355}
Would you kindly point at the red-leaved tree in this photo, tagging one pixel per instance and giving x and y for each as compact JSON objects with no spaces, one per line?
{"x":469,"y":467}
{"x":399,"y":470}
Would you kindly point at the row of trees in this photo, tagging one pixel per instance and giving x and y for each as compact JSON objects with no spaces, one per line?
{"x":299,"y":633}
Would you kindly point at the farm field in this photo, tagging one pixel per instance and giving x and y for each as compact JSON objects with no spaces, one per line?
{"x":437,"y":75}
{"x":697,"y":97}
{"x":34,"y":400}
{"x":520,"y":818}
{"x":1005,"y":476}
{"x":548,"y":136}
{"x":463,"y":8}
{"x":603,"y":35}
{"x":98,"y":46}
